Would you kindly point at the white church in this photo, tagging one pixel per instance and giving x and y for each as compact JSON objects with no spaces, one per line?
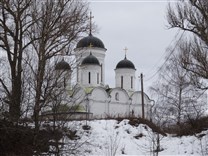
{"x":92,"y":95}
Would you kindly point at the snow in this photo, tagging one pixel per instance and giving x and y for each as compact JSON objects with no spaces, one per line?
{"x":107,"y":137}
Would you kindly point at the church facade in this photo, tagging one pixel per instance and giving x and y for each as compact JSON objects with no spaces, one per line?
{"x":92,"y":95}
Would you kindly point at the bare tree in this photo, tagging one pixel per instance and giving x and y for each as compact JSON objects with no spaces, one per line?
{"x":113,"y":144}
{"x":177,"y":98}
{"x":31,"y":33}
{"x":57,"y":25}
{"x":14,"y":24}
{"x":192,"y":17}
{"x":152,"y":144}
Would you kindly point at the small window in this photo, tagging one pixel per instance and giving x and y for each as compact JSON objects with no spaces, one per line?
{"x":117,"y":97}
{"x":101,"y":73}
{"x":121,"y":81}
{"x":89,"y":77}
{"x":131,"y":82}
{"x":64,"y":82}
{"x":97,"y":78}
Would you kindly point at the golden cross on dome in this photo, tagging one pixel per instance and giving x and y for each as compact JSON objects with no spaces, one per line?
{"x":125,"y":49}
{"x":91,"y":45}
{"x":91,"y":17}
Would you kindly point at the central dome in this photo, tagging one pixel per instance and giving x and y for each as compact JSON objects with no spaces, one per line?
{"x":90,"y":40}
{"x":125,"y":63}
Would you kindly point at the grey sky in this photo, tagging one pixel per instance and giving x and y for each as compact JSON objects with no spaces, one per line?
{"x":140,"y":26}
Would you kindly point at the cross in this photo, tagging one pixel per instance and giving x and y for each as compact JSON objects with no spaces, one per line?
{"x":90,"y":45}
{"x":125,"y":49}
{"x":91,"y":17}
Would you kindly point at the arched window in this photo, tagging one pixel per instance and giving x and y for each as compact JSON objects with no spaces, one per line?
{"x":117,"y":97}
{"x":131,"y":82}
{"x":89,"y":77}
{"x":97,"y":78}
{"x":101,"y":73}
{"x":64,"y":82}
{"x":121,"y":81}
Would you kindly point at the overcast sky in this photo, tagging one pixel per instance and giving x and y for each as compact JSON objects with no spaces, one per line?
{"x":140,"y":26}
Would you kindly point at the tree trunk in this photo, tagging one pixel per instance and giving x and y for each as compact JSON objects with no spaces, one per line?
{"x":39,"y":81}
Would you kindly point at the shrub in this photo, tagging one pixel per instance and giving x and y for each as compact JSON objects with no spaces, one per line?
{"x":21,"y":140}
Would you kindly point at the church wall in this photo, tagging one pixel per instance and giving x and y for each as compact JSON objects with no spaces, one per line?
{"x":102,"y":109}
{"x":64,"y":77}
{"x":136,"y":110}
{"x":67,"y":79}
{"x":98,"y":108}
{"x":136,"y":98}
{"x":99,"y":102}
{"x":99,"y":53}
{"x":120,"y":103}
{"x":137,"y":104}
{"x":119,"y":109}
{"x":118,"y":95}
{"x":115,"y":103}
{"x":78,"y":96}
{"x":127,"y":74}
{"x":94,"y":70}
{"x":99,"y":94}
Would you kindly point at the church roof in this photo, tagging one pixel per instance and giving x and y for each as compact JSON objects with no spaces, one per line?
{"x":90,"y":59}
{"x":62,"y":65}
{"x":90,"y":41}
{"x":125,"y":63}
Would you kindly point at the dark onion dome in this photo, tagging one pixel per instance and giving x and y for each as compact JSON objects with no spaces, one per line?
{"x":62,"y":65}
{"x":90,"y":60}
{"x":90,"y":41}
{"x":125,"y":63}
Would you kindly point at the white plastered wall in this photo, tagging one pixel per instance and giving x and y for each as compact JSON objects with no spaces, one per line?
{"x":114,"y":103}
{"x":82,"y":53}
{"x":95,"y":75}
{"x":98,"y":102}
{"x":136,"y":105}
{"x":127,"y":73}
{"x":119,"y":104}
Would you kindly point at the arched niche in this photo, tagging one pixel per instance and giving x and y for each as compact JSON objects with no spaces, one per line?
{"x":99,"y":94}
{"x":119,"y":95}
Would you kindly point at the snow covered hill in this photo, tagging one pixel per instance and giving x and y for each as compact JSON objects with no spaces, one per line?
{"x":111,"y":137}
